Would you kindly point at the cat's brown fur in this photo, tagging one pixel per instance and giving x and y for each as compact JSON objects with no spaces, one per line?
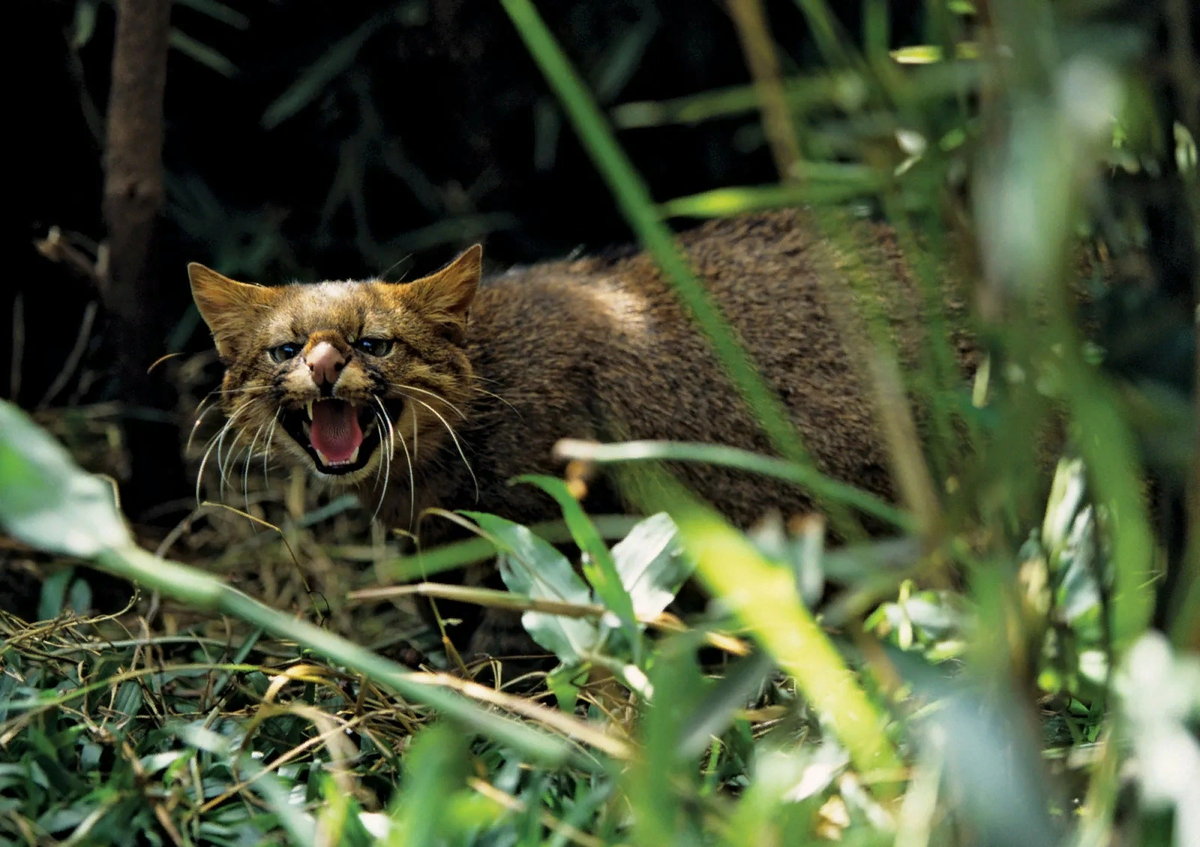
{"x":481,"y":382}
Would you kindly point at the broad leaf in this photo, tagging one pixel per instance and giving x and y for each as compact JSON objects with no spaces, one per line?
{"x":651,"y":564}
{"x":598,"y":565}
{"x":46,"y":500}
{"x":530,"y":565}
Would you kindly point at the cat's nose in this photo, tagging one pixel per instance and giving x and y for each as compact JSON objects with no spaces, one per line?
{"x":325,"y":363}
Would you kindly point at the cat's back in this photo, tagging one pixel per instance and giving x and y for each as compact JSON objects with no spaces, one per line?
{"x":603,"y":343}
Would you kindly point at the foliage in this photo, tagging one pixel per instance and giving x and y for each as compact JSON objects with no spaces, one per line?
{"x":989,"y":676}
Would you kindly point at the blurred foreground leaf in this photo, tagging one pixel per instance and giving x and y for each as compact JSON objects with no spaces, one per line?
{"x":45,"y":500}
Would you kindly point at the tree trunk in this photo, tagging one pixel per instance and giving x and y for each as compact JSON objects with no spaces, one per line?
{"x":133,"y":201}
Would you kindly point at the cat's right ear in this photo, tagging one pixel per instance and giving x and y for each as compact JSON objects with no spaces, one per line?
{"x":226,"y":305}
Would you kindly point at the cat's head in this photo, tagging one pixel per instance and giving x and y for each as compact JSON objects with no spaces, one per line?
{"x":342,"y":375}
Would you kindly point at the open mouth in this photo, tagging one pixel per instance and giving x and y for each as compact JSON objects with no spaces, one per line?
{"x":340,"y":436}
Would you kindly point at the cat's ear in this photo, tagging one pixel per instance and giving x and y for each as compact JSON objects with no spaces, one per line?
{"x":228,"y":307}
{"x":445,"y":297}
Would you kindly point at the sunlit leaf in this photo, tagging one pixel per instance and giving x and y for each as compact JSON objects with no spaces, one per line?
{"x":652,"y":565}
{"x":530,"y":565}
{"x":925,"y":54}
{"x":598,"y":564}
{"x":829,"y":183}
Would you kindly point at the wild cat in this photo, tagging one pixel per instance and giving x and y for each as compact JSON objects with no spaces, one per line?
{"x":437,"y":392}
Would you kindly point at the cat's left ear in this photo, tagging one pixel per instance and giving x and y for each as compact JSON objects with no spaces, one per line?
{"x":226,"y":305}
{"x":446,"y":296}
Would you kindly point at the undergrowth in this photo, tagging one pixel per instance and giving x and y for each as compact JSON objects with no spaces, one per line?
{"x":987,"y":674}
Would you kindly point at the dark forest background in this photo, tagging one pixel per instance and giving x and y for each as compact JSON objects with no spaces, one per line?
{"x":308,"y":140}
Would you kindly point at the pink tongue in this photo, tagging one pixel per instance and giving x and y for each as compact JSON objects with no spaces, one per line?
{"x":335,"y":430}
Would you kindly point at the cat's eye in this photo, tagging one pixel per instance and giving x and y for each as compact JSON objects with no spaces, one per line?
{"x":374,"y":346}
{"x":285,"y":351}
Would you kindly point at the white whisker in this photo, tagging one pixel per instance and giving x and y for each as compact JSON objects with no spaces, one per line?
{"x":216,"y":441}
{"x":267,"y":452}
{"x":385,"y":461}
{"x":246,"y":466}
{"x":457,"y":443}
{"x":498,"y":397}
{"x":201,"y":414}
{"x":380,"y":467}
{"x":435,"y":396}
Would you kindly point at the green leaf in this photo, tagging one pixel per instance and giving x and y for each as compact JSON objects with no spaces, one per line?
{"x":713,"y":713}
{"x":218,"y":12}
{"x":79,"y":596}
{"x":530,"y":565}
{"x":318,"y":75}
{"x":598,"y":565}
{"x":45,"y":500}
{"x":202,"y":53}
{"x":651,"y":564}
{"x":436,"y":768}
{"x":825,"y":183}
{"x":624,"y":56}
{"x":84,"y":24}
{"x":925,"y":54}
{"x":53,"y":596}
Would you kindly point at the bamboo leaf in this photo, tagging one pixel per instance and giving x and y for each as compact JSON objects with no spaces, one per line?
{"x":202,"y":53}
{"x":218,"y":12}
{"x":651,"y":565}
{"x":312,"y":82}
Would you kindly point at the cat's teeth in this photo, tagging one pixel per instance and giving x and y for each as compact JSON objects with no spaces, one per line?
{"x":309,"y":407}
{"x":325,"y":459}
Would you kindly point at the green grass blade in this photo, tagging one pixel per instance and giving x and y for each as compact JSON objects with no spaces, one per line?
{"x":763,"y":596}
{"x":825,"y":183}
{"x":734,"y":457}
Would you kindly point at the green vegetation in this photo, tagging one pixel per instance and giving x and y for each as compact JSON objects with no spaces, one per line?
{"x":988,"y":675}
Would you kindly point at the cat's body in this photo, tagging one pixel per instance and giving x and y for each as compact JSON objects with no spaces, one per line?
{"x":594,"y":349}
